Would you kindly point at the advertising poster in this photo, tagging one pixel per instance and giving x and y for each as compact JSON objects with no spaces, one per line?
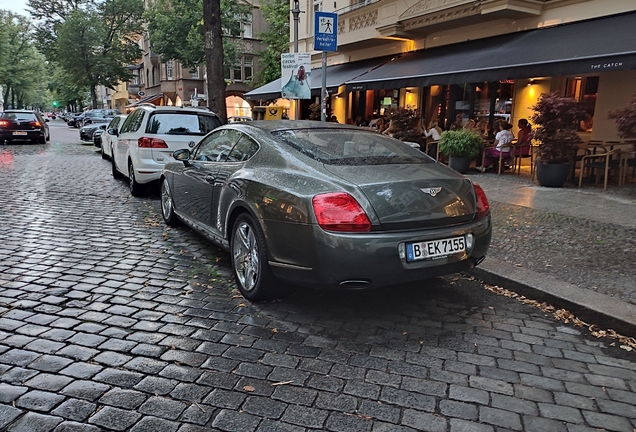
{"x":296,"y":75}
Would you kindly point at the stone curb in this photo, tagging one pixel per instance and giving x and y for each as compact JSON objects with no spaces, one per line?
{"x":590,"y":306}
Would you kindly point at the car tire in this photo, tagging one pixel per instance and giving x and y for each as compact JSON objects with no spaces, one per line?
{"x":136,"y":189}
{"x":116,"y":174}
{"x":167,"y":204}
{"x":41,"y":140}
{"x":248,"y":253}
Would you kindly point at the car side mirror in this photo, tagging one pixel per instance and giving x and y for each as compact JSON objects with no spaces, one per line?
{"x":113,"y":132}
{"x":181,"y":154}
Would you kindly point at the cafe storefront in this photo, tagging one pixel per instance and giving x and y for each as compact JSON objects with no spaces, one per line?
{"x":498,"y":77}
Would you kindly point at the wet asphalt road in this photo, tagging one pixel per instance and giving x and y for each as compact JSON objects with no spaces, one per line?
{"x":111,"y":321}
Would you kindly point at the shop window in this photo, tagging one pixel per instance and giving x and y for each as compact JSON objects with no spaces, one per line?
{"x":584,"y":90}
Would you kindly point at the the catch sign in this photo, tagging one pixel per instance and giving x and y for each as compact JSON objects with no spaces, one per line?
{"x":295,"y":75}
{"x":325,"y":31}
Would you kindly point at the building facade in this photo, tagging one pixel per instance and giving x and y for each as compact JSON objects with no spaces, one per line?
{"x":169,"y":83}
{"x":478,"y":58}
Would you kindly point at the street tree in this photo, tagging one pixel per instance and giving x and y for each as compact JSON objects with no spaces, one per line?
{"x":22,"y":69}
{"x":178,"y":28}
{"x":92,"y":41}
{"x":275,"y":39}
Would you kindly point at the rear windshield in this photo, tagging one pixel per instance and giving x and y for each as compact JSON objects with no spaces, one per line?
{"x":351,"y":147}
{"x":182,"y":124}
{"x":19,"y":116}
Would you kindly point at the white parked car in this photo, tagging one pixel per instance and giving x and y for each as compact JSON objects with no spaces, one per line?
{"x":109,"y":136}
{"x":150,"y":135}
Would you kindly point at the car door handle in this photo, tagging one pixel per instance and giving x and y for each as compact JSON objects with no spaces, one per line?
{"x":209,"y":179}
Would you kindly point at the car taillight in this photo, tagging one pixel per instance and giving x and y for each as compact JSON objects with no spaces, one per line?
{"x":36,"y":123}
{"x":4,"y":123}
{"x":339,"y":211}
{"x":483,"y":208}
{"x":147,"y":142}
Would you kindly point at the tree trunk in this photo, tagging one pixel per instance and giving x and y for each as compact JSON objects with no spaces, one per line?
{"x":94,"y":96}
{"x":214,"y":57}
{"x":6,"y":97}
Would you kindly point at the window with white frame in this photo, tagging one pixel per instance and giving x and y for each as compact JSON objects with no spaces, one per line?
{"x":246,"y":26}
{"x":194,"y":73}
{"x":317,"y":8}
{"x":169,"y":69}
{"x":241,"y":71}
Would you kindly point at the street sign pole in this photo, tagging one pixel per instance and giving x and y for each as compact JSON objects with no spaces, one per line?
{"x":323,"y":92}
{"x":325,"y":39}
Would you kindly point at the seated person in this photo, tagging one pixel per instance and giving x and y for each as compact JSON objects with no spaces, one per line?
{"x":503,"y":139}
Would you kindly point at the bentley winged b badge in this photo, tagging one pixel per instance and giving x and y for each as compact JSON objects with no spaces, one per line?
{"x":432,"y":191}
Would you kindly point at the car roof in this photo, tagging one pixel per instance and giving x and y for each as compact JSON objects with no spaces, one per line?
{"x":276,"y":125}
{"x":19,"y":111}
{"x":177,"y":109}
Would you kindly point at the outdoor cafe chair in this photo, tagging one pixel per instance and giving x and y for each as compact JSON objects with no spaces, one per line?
{"x":602,"y":163}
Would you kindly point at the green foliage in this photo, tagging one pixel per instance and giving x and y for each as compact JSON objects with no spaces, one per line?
{"x":557,"y":120}
{"x":460,"y":143}
{"x":625,"y":119}
{"x":22,"y":69}
{"x":177,"y":32}
{"x":275,"y":40}
{"x":405,"y":125}
{"x":90,"y":40}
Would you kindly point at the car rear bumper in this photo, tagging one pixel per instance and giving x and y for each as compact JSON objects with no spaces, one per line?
{"x":28,"y":135}
{"x":318,"y":258}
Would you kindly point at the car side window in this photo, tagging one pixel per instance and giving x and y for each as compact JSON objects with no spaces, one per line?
{"x":113,"y":123}
{"x":133,"y":122}
{"x":217,"y":146}
{"x":244,"y":149}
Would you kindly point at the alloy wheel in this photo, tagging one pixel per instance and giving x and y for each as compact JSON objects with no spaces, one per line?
{"x":246,"y":256}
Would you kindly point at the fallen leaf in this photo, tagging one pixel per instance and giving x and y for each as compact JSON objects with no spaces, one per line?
{"x":248,"y":388}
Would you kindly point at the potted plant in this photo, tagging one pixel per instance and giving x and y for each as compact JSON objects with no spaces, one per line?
{"x":405,"y":125}
{"x":625,"y":119}
{"x":461,"y":146}
{"x":556,"y":122}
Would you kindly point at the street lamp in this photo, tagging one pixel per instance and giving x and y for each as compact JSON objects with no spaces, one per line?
{"x":296,"y":14}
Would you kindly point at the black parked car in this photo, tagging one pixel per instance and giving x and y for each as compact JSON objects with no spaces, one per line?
{"x":98,"y":116}
{"x":86,"y":132}
{"x":75,"y":119}
{"x":23,"y":125}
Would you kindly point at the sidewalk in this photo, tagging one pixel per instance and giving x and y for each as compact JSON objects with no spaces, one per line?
{"x":574,"y":248}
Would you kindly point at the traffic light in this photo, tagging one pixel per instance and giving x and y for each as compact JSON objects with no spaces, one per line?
{"x":55,"y":103}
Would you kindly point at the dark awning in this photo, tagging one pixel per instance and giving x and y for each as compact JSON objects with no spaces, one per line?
{"x":337,"y":75}
{"x":147,"y":99}
{"x":596,"y":45}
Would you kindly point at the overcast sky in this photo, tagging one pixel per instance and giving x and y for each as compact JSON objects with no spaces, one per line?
{"x":17,"y":6}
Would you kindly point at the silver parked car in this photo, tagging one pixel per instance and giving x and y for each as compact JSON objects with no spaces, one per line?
{"x":110,"y":135}
{"x":325,"y":205}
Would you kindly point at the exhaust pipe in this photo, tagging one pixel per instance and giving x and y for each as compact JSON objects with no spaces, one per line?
{"x":355,"y":284}
{"x":478,"y":261}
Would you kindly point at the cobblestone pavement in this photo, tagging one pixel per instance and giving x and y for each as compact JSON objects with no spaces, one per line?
{"x":110,"y":321}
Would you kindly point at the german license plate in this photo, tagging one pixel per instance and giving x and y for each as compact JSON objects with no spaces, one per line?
{"x":19,"y":133}
{"x":435,"y":248}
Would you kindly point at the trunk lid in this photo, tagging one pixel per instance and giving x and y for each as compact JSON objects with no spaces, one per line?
{"x":412,"y":196}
